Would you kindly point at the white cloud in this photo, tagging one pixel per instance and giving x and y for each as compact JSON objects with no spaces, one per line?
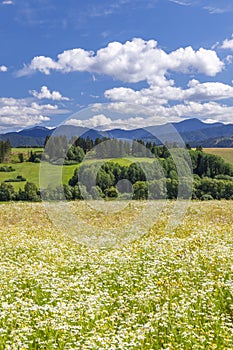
{"x":20,"y":113}
{"x":182,"y":3}
{"x":228,"y":59}
{"x":103,"y":122}
{"x":212,"y":6}
{"x":159,"y":95}
{"x":130,"y":116}
{"x":140,"y":60}
{"x":3,"y":69}
{"x":45,"y":64}
{"x":208,"y":91}
{"x":7,"y":2}
{"x":133,"y":61}
{"x":227,"y":44}
{"x":45,"y":93}
{"x":202,"y":61}
{"x":205,"y":111}
{"x":217,"y":10}
{"x":95,"y":121}
{"x":144,"y":97}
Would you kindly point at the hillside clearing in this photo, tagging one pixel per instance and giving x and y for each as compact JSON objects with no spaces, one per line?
{"x":31,"y":171}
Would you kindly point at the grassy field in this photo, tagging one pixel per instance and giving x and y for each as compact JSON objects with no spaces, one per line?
{"x":165,"y":291}
{"x":226,"y":153}
{"x":31,"y":171}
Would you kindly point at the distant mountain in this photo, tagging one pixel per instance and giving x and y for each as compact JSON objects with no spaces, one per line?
{"x":193,"y":131}
{"x":37,"y":131}
{"x":189,"y":129}
{"x":70,"y":131}
{"x":129,"y":134}
{"x":18,"y":140}
{"x":198,"y":136}
{"x":219,"y":142}
{"x":35,"y":137}
{"x":194,"y":125}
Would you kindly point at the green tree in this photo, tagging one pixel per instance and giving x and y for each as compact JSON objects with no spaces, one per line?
{"x":31,"y":192}
{"x":140,"y":190}
{"x":21,"y":157}
{"x":172,"y":188}
{"x":7,"y":192}
{"x":111,"y":192}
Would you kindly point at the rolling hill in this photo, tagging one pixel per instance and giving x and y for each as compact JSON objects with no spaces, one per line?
{"x":193,"y":131}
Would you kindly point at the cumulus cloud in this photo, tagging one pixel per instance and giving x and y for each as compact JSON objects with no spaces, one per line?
{"x":45,"y":93}
{"x":189,"y":61}
{"x":133,"y":117}
{"x":20,"y":113}
{"x":96,"y":121}
{"x":227,"y":44}
{"x":103,"y":122}
{"x":155,"y":115}
{"x":3,"y":69}
{"x":133,"y":61}
{"x":208,"y":91}
{"x":139,"y":60}
{"x":161,"y":95}
{"x":205,"y":111}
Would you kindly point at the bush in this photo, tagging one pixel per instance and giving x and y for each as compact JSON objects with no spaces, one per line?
{"x":6,"y":192}
{"x":140,"y":190}
{"x":58,"y":161}
{"x":6,"y":169}
{"x":206,"y":197}
{"x":111,"y":192}
{"x":19,"y":178}
{"x":96,"y":192}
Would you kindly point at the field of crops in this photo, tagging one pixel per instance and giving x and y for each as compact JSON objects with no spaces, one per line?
{"x":165,"y":291}
{"x":226,"y":153}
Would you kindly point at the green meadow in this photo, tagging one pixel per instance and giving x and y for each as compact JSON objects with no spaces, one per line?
{"x":31,"y":171}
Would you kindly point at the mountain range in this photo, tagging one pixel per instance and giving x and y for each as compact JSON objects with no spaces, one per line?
{"x":193,"y":131}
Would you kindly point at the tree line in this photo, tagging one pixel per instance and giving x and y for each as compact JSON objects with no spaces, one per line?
{"x":29,"y":193}
{"x":59,"y":150}
{"x":213,"y":178}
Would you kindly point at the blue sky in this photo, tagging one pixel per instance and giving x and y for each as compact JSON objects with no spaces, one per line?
{"x":172,"y":57}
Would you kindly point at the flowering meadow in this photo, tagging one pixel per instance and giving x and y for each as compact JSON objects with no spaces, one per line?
{"x":164,"y":291}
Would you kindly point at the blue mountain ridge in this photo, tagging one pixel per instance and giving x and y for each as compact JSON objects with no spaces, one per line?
{"x":193,"y":131}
